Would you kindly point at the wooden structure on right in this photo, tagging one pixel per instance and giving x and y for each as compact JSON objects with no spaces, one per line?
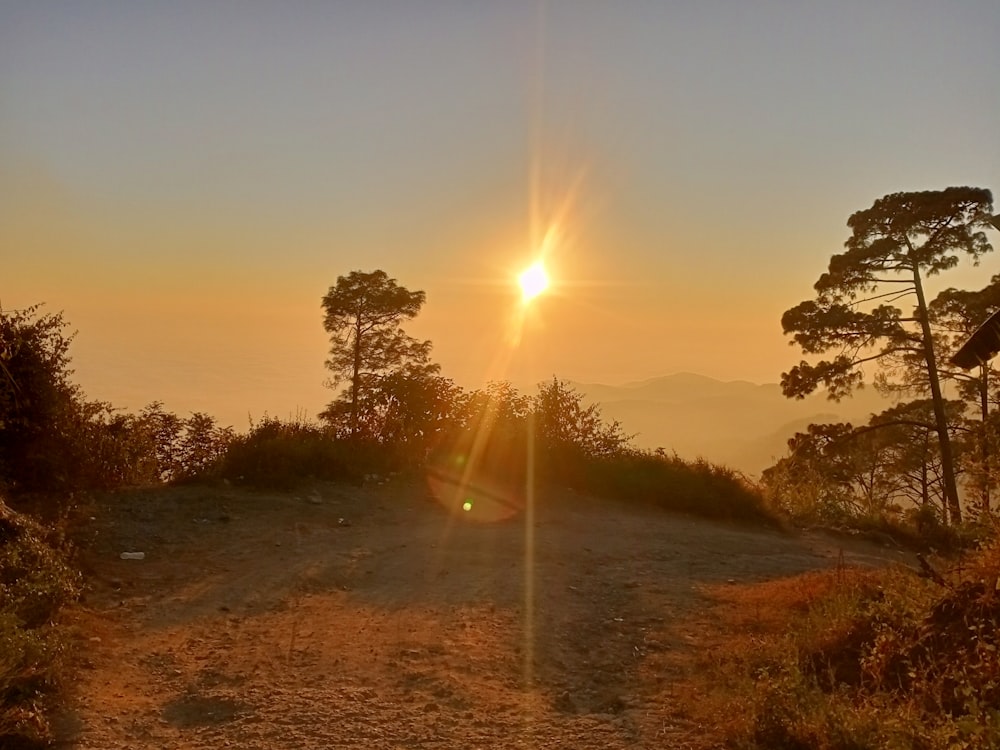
{"x":982,"y":345}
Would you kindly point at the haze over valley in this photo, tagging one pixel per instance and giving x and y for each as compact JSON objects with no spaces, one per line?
{"x":737,"y":423}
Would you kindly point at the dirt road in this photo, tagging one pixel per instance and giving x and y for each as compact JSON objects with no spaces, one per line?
{"x":370,"y":617}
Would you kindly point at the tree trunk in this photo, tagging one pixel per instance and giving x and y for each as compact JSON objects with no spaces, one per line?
{"x":984,"y":454}
{"x":940,"y":418}
{"x":356,"y":376}
{"x":925,"y":484}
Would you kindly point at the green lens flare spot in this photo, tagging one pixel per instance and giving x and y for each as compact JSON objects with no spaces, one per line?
{"x":467,"y":506}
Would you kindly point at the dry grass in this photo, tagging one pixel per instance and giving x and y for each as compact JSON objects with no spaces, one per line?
{"x":855,"y":660}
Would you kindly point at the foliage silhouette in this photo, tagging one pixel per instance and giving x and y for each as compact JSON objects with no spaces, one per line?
{"x":894,"y":245}
{"x":37,"y":401}
{"x":363,"y":314}
{"x":281,"y":454}
{"x":36,"y":582}
{"x":841,"y":474}
{"x":957,"y":314}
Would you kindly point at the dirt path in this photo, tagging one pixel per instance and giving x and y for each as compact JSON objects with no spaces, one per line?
{"x":346,"y":617}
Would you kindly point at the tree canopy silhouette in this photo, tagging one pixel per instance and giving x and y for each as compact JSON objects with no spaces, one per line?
{"x":894,"y":245}
{"x":37,"y":398}
{"x":959,"y":316}
{"x":364,"y":312}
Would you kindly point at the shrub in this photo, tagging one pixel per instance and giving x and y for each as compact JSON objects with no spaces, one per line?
{"x":279,"y":454}
{"x":869,"y":660}
{"x":201,"y":447}
{"x":37,"y":400}
{"x":52,"y":439}
{"x":696,"y":487}
{"x":35,"y":583}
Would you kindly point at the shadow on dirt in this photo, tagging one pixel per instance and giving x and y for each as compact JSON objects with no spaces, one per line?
{"x":194,"y":710}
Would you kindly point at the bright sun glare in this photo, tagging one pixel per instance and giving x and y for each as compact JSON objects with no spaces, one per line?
{"x":534,"y":280}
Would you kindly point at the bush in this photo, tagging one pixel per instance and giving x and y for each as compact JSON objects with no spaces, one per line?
{"x":35,"y":583}
{"x":699,"y":488}
{"x":277,"y":454}
{"x":52,"y":439}
{"x":37,"y":401}
{"x":869,"y":660}
{"x":201,"y":448}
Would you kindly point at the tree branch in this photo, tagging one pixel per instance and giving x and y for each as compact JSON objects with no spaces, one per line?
{"x":895,"y":423}
{"x":931,"y":239}
{"x":895,"y":294}
{"x":885,"y":353}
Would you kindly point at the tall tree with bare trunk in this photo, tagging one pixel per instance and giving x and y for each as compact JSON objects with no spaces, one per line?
{"x":363,"y":315}
{"x":894,"y":246}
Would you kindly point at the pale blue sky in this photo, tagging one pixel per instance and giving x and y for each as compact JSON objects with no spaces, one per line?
{"x":186,"y":179}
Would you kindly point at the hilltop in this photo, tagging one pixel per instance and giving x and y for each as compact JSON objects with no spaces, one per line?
{"x":340,"y":616}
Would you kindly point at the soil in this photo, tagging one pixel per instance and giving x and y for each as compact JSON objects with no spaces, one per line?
{"x":341,"y":616}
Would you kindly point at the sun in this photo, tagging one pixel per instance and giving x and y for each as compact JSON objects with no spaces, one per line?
{"x":533,"y":280}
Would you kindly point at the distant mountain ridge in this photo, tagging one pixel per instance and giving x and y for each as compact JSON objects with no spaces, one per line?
{"x":738,"y":423}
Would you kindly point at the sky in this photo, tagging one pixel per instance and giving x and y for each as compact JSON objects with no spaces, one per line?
{"x":186,"y":180}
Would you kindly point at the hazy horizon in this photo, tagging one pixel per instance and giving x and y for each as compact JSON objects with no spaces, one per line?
{"x":186,"y":181}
